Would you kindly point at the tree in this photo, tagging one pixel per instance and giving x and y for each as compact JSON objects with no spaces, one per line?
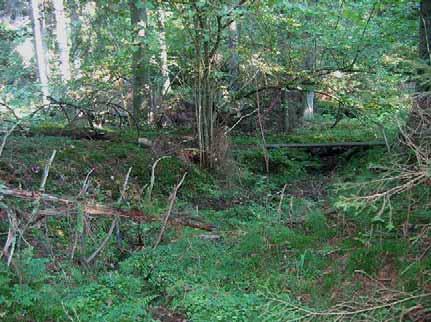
{"x":234,"y":56}
{"x":425,"y":31}
{"x":62,"y":39}
{"x":419,"y":122}
{"x":164,"y":68}
{"x":139,"y":20}
{"x":207,"y":23}
{"x":310,"y":62}
{"x":39,"y":49}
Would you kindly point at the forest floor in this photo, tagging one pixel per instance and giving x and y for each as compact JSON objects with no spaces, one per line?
{"x":287,"y":245}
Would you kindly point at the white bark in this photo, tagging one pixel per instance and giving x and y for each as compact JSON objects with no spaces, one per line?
{"x":62,"y":39}
{"x":75,"y":31}
{"x":163,"y":53}
{"x":40,"y":53}
{"x":234,"y":58}
{"x":309,"y":106}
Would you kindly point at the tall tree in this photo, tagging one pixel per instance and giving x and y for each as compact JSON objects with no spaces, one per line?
{"x":39,"y":49}
{"x":62,"y":39}
{"x":139,"y":20}
{"x":75,"y":34}
{"x":310,"y":62}
{"x":419,"y":122}
{"x":425,"y":31}
{"x":234,"y":57}
{"x":164,"y":68}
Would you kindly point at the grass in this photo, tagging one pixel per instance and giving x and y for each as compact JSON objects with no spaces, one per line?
{"x":270,"y":262}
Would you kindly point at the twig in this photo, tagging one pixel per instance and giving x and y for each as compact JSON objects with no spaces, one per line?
{"x":46,"y":171}
{"x":9,"y":246}
{"x":104,"y":242}
{"x":86,"y":183}
{"x":124,"y":188}
{"x":172,"y":198}
{"x":6,"y":136}
{"x":239,"y":121}
{"x":153,"y":176}
{"x":280,"y":204}
{"x":10,"y":109}
{"x":114,"y":222}
{"x":310,"y":313}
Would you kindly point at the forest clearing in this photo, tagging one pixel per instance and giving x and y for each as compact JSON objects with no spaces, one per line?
{"x":215,"y":160}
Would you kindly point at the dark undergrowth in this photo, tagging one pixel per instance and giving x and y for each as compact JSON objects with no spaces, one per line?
{"x":289,"y":244}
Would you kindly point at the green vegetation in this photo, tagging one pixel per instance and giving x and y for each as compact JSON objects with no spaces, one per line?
{"x":142,"y":176}
{"x":315,"y":250}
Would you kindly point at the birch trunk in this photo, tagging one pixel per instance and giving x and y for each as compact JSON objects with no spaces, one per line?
{"x":309,"y":106}
{"x":234,"y":57}
{"x":62,"y":40}
{"x":164,"y":68}
{"x":39,"y":49}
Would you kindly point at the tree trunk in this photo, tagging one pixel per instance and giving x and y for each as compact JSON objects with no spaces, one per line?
{"x":419,"y":123}
{"x":39,"y":49}
{"x":234,"y":57}
{"x":138,"y":13}
{"x":294,"y":109}
{"x":309,"y":95}
{"x":164,"y":69}
{"x":425,"y":31}
{"x":62,"y":39}
{"x":310,"y":64}
{"x":75,"y":34}
{"x":309,"y":106}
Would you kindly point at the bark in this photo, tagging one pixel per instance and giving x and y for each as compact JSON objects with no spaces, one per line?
{"x":294,"y":105}
{"x":310,"y":63}
{"x":164,"y":69}
{"x":309,"y":106}
{"x":75,"y":34}
{"x":62,"y":39}
{"x":309,"y":95}
{"x":139,"y":22}
{"x":39,"y":49}
{"x":419,"y":123}
{"x":93,"y":209}
{"x":234,"y":57}
{"x":425,"y":31}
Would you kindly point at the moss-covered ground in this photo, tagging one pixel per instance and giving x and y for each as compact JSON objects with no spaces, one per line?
{"x":288,"y":244}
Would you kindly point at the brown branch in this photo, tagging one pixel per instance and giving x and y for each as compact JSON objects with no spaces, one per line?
{"x":101,"y":210}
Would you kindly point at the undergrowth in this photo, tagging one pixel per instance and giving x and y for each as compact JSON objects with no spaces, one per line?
{"x":285,"y":247}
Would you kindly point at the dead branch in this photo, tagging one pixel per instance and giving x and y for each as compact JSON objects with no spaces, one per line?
{"x":32,"y":195}
{"x":115,"y":222}
{"x":93,"y":209}
{"x":6,"y":136}
{"x":104,"y":242}
{"x":172,"y":198}
{"x":46,"y":171}
{"x":153,"y":176}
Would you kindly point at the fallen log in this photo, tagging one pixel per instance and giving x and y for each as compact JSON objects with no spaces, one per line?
{"x":101,"y":210}
{"x":325,"y":145}
{"x":32,"y":195}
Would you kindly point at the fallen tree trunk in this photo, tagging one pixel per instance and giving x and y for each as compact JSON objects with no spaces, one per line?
{"x":101,"y":210}
{"x":325,"y":145}
{"x":330,"y":145}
